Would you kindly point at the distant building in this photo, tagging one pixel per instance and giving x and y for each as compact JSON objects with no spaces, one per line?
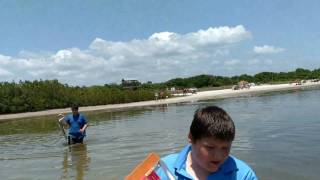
{"x":130,"y":83}
{"x":243,"y":85}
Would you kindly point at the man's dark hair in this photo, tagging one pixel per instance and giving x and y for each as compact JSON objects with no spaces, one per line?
{"x":74,"y":107}
{"x":212,"y":121}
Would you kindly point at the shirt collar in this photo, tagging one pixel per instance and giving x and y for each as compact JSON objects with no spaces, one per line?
{"x":182,"y":157}
{"x":180,"y":164}
{"x":229,"y":165}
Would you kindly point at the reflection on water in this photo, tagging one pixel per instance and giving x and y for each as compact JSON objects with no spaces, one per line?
{"x":29,"y":125}
{"x":163,"y":107}
{"x":48,"y":124}
{"x":75,"y":160}
{"x":276,"y":134}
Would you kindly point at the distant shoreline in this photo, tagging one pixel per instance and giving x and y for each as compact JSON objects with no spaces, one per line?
{"x":205,"y":95}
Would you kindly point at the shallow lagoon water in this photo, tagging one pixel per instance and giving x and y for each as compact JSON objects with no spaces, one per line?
{"x":277,"y":134}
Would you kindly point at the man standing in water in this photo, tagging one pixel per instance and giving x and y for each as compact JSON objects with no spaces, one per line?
{"x":208,"y":154}
{"x":77,"y":126}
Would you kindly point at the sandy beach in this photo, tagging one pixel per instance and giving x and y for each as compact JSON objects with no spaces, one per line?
{"x":204,"y":95}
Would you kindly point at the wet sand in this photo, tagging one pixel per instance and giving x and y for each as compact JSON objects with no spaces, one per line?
{"x":204,"y":95}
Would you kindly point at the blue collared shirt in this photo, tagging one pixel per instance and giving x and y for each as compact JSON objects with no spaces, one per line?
{"x":76,"y":123}
{"x":231,"y":169}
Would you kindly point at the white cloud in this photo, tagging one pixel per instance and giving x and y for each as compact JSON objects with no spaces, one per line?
{"x":168,"y":43}
{"x":221,"y":35}
{"x":266,"y":49}
{"x":4,"y":60}
{"x":5,"y":73}
{"x":232,"y":62}
{"x":253,"y":61}
{"x":214,"y":62}
{"x":160,"y":57}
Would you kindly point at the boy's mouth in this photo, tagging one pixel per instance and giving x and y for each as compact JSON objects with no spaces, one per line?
{"x":216,"y":163}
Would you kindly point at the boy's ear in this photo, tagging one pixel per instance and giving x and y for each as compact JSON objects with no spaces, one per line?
{"x":190,"y":139}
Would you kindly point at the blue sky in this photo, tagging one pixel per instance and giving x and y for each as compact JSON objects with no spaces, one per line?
{"x":97,"y":42}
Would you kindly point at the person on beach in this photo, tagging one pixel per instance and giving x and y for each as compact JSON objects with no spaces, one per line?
{"x":77,"y":124}
{"x":208,"y":154}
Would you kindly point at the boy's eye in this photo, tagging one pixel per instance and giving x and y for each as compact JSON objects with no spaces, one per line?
{"x":210,"y":147}
{"x":225,"y":149}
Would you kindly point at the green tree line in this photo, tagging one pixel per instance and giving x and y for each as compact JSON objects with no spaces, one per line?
{"x":29,"y":96}
{"x":263,"y":77}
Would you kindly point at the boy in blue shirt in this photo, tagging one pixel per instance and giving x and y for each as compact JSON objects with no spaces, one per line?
{"x":77,"y":126}
{"x":207,"y":156}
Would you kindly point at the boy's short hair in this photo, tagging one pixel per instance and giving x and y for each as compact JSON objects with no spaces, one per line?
{"x":212,"y":121}
{"x":74,"y":107}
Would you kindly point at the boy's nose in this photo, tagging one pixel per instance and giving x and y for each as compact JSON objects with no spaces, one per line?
{"x":217,"y":155}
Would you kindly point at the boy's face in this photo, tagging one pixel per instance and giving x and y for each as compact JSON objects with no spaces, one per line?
{"x":209,"y":153}
{"x":75,"y":111}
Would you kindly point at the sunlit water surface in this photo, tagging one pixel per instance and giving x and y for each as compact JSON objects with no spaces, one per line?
{"x":278,"y":134}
